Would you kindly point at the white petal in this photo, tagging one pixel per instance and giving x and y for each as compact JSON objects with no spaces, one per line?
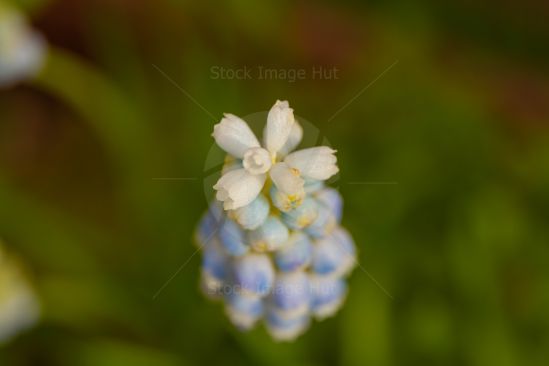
{"x":234,"y":135}
{"x":286,"y":179}
{"x":315,"y":162}
{"x":296,"y":134}
{"x":238,"y":188}
{"x":279,"y":125}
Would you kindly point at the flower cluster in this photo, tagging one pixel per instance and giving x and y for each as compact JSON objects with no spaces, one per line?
{"x":273,"y":248}
{"x":22,"y":50}
{"x":19,"y":307}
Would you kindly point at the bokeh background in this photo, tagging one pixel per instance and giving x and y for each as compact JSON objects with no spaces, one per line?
{"x":459,"y":125}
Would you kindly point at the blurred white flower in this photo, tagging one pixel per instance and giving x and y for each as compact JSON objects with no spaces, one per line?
{"x":22,"y":50}
{"x":19,"y":308}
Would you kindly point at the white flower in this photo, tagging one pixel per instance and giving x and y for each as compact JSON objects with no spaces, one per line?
{"x":234,"y":136}
{"x":316,"y":162}
{"x":237,"y":188}
{"x":22,"y":50}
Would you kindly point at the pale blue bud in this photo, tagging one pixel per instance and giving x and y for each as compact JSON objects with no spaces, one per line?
{"x":242,"y":309}
{"x":209,"y":224}
{"x":269,"y":236}
{"x":252,"y":215}
{"x":215,"y":261}
{"x":215,"y":268}
{"x":296,"y":254}
{"x":323,"y":224}
{"x":291,"y":294}
{"x":331,"y":198}
{"x":232,"y":238}
{"x":330,"y":258}
{"x":254,"y":273}
{"x":302,"y":216}
{"x":286,"y":329}
{"x":345,"y":241}
{"x":327,"y":295}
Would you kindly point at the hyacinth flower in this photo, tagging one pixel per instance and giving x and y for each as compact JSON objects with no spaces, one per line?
{"x":19,"y":307}
{"x":273,"y":248}
{"x":22,"y":50}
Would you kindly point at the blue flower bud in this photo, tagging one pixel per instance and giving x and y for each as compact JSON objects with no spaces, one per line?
{"x":291,"y":295}
{"x":253,"y":215}
{"x":214,"y":261}
{"x":254,"y":273}
{"x":327,"y":295}
{"x":283,"y":201}
{"x":296,"y":254}
{"x":242,"y":309}
{"x":302,"y":216}
{"x":345,"y":241}
{"x":332,"y":199}
{"x":324,"y":223}
{"x":330,"y":258}
{"x":215,"y":268}
{"x":286,"y":329}
{"x":209,"y":224}
{"x":232,"y":238}
{"x":269,"y":236}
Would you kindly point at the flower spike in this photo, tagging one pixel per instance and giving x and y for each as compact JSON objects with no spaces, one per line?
{"x":274,"y":250}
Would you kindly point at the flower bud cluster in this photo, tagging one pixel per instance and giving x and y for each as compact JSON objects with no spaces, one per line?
{"x":273,"y":248}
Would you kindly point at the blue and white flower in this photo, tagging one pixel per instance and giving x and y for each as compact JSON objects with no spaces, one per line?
{"x":273,"y":247}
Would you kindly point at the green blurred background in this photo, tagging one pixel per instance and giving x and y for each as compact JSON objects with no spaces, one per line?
{"x":460,"y":124}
